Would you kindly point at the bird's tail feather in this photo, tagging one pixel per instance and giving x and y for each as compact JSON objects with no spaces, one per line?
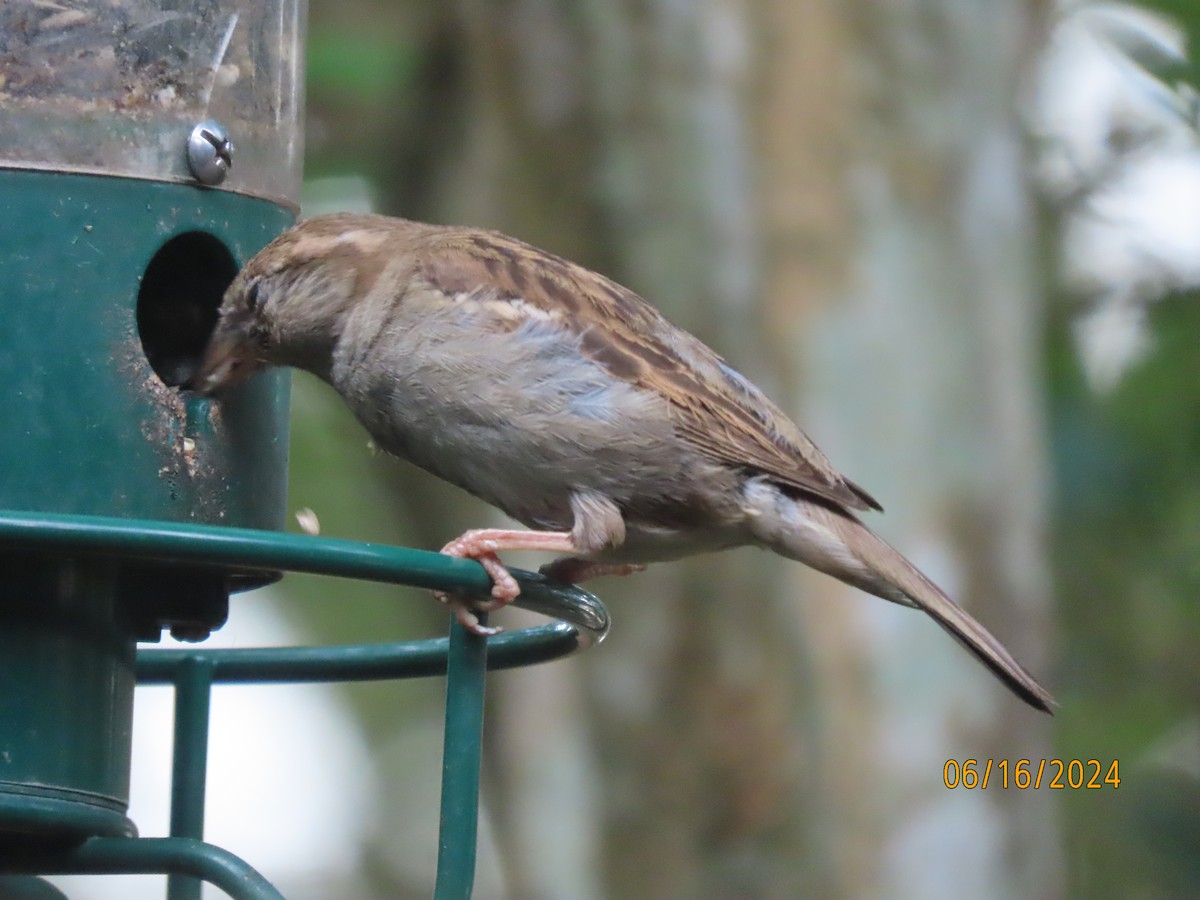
{"x":895,"y":570}
{"x":834,"y":541}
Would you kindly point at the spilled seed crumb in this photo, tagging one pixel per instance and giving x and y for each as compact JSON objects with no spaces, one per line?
{"x":308,"y":522}
{"x":188,"y":445}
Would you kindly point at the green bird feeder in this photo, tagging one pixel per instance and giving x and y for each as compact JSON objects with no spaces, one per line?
{"x":146,"y":151}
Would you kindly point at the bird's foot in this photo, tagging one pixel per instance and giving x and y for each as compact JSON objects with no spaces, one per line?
{"x":483,"y":545}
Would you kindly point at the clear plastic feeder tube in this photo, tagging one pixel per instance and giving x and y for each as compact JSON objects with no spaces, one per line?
{"x":116,"y":86}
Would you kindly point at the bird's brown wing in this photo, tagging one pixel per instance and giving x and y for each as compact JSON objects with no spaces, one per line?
{"x":713,"y":407}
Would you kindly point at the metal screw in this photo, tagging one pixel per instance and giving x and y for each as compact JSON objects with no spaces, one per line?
{"x":209,"y":152}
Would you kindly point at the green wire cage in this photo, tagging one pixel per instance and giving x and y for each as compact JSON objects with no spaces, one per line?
{"x":144,"y":156}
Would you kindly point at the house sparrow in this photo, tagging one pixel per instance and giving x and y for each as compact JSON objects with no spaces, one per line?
{"x":565,"y":400}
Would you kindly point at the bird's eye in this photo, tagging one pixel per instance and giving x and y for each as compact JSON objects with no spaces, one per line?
{"x":255,"y":296}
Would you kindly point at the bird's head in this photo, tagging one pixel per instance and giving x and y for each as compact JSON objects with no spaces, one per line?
{"x":286,"y":307}
{"x":241,"y":342}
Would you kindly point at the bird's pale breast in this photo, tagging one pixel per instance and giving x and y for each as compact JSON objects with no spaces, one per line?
{"x":516,"y":415}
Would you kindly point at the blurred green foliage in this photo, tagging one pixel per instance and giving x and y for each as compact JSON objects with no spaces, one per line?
{"x":1186,"y":14}
{"x":362,"y":66}
{"x":1127,"y":557}
{"x":1127,"y":525}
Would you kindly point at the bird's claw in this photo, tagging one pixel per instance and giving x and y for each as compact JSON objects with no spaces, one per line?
{"x":504,"y":587}
{"x":465,"y":614}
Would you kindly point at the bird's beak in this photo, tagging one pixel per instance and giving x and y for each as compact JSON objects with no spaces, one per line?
{"x":227,"y":362}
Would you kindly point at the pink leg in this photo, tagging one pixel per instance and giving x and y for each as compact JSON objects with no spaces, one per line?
{"x":573,"y":570}
{"x":483,"y":544}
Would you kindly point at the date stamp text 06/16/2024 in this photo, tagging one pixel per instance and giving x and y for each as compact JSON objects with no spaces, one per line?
{"x":1027,"y":774}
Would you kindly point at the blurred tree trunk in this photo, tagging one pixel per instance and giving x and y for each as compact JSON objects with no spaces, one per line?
{"x":833,"y":195}
{"x":921,"y":378}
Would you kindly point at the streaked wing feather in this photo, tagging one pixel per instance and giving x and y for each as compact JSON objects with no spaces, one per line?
{"x":714,"y":408}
